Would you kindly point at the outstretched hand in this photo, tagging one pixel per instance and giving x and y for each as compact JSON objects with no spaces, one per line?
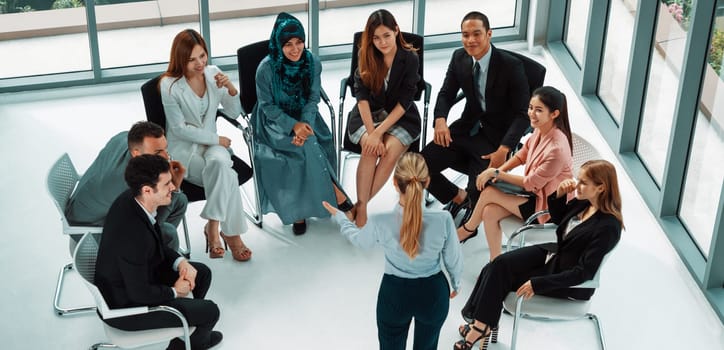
{"x":330,"y":208}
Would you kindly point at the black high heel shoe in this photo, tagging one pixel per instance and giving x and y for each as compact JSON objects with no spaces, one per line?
{"x":465,"y":329}
{"x":473,"y":233}
{"x":467,"y":345}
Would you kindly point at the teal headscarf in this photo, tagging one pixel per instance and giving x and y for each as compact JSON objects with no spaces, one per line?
{"x":292,"y":80}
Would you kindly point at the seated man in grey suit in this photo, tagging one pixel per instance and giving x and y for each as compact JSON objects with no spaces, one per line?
{"x":134,"y":268}
{"x":103,"y":181}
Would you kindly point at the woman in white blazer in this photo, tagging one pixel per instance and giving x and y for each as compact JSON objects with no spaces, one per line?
{"x":191,"y":92}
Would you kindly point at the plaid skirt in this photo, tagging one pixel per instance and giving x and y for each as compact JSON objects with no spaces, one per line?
{"x":378,"y":117}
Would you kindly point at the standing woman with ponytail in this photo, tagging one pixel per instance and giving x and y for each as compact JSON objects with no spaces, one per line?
{"x":414,"y":239}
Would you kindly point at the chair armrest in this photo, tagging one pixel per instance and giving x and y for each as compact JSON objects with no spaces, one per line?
{"x":327,"y":101}
{"x":343,"y":88}
{"x":129,"y":311}
{"x":459,"y":98}
{"x":535,"y":216}
{"x":220,"y":113}
{"x":428,"y":92}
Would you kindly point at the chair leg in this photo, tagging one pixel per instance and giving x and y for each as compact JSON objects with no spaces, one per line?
{"x":516,"y":321}
{"x":599,"y":329}
{"x":186,"y":252}
{"x":103,"y":345}
{"x":61,"y":311}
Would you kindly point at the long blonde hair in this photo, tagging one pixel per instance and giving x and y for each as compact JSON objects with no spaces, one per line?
{"x":411,"y":176}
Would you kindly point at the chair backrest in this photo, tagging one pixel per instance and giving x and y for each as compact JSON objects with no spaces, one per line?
{"x":583,"y":151}
{"x":61,"y":181}
{"x":415,"y":40}
{"x":152,"y":102}
{"x":248,"y":58}
{"x":534,"y":71}
{"x":84,"y":261}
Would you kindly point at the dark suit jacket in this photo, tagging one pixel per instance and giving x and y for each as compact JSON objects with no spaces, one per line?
{"x":506,"y":98}
{"x":401,"y":88}
{"x":132,"y":257}
{"x":579,"y":255}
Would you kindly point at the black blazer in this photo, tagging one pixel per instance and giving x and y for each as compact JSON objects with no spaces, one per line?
{"x":506,"y":97}
{"x":401,"y":88}
{"x":131,"y":257}
{"x":579,"y":255}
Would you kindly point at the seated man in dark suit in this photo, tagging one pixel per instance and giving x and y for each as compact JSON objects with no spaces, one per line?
{"x":134,"y":268}
{"x":103,"y":181}
{"x":493,"y":121}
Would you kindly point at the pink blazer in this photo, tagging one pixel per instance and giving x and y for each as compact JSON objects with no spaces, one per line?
{"x":548,"y":161}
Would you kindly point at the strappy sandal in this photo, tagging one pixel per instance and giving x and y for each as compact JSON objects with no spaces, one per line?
{"x":348,"y":208}
{"x":467,"y":345}
{"x":239,"y":251}
{"x":465,"y":329}
{"x":472,"y":233}
{"x":216,"y":250}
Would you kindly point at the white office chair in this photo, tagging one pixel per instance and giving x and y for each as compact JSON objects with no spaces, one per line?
{"x":544,"y":308}
{"x":61,"y":181}
{"x":583,"y":151}
{"x":84,"y":261}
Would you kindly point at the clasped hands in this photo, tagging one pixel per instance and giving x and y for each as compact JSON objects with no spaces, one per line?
{"x":301,"y":132}
{"x":372,"y":144}
{"x":186,"y":281}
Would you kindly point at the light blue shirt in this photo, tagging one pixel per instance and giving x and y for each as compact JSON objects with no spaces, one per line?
{"x":438,"y":243}
{"x":484,"y":63}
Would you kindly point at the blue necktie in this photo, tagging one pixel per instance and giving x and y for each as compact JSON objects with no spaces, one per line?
{"x":477,"y":76}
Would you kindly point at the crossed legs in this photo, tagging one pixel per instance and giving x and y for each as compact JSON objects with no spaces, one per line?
{"x":492,"y":206}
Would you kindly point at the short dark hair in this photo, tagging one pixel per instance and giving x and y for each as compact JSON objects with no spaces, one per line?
{"x":144,"y":170}
{"x":476,"y":15}
{"x":141,"y":130}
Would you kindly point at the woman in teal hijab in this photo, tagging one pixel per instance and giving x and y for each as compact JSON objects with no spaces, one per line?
{"x":293,"y":152}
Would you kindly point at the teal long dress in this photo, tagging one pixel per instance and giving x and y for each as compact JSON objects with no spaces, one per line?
{"x":293,"y":181}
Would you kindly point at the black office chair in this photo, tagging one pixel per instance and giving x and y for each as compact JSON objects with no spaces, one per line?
{"x":354,"y":150}
{"x":155,"y":113}
{"x":248,"y":58}
{"x":534,"y":71}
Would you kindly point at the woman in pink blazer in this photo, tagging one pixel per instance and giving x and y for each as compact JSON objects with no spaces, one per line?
{"x":548,"y":161}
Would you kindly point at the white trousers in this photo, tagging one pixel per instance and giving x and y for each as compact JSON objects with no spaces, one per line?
{"x":210,"y":167}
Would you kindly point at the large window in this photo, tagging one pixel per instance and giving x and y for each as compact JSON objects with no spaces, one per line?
{"x":141,"y":32}
{"x":617,"y":52}
{"x":500,"y":13}
{"x":337,"y":24}
{"x":576,"y":25}
{"x":703,"y":177}
{"x":37,"y":40}
{"x":667,"y":58}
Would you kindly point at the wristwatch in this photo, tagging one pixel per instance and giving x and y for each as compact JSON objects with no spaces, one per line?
{"x":496,"y":173}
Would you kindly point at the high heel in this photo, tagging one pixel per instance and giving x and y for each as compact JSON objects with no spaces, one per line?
{"x":239,"y":251}
{"x":465,"y":329}
{"x":215,"y":251}
{"x":473,"y":233}
{"x":467,"y":345}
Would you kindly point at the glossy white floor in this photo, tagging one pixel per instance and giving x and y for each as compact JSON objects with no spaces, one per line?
{"x":310,"y":292}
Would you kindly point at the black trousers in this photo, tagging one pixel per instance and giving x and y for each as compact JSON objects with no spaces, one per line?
{"x":462,"y":155}
{"x":504,"y":274}
{"x":201,"y":313}
{"x":400,"y":300}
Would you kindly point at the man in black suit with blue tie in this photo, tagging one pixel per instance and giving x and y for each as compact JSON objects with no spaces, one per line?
{"x":135,"y":268}
{"x":493,"y":121}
